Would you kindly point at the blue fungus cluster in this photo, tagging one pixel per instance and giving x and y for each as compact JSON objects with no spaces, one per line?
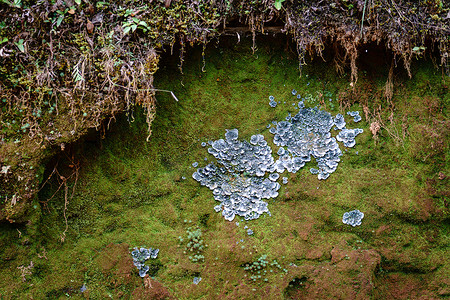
{"x":140,"y":255}
{"x":353,"y":218}
{"x":347,"y":136}
{"x":197,"y":280}
{"x":238,"y":182}
{"x":272,"y":101}
{"x":355,"y":115}
{"x":339,"y":121}
{"x":274,"y":176}
{"x":306,"y":135}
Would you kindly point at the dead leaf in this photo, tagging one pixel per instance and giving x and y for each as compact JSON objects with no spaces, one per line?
{"x":90,"y":26}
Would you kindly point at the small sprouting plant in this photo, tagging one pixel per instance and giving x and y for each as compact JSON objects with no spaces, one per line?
{"x":21,"y":45}
{"x":195,"y":244}
{"x":418,"y":50}
{"x":13,"y":3}
{"x":277,"y":4}
{"x":133,"y":24}
{"x":261,"y":267}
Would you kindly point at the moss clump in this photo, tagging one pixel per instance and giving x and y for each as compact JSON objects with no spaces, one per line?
{"x":195,"y":245}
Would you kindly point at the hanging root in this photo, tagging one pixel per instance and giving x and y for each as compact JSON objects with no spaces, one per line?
{"x":389,"y":87}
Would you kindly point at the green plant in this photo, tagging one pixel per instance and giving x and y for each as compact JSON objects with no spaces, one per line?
{"x":259,"y":267}
{"x":133,"y":24}
{"x":194,"y":245}
{"x":76,"y":73}
{"x":277,"y":4}
{"x":418,"y":50}
{"x":21,"y":45}
{"x":14,"y":3}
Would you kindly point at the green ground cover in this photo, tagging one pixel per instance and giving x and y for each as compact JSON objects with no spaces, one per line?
{"x":128,"y":192}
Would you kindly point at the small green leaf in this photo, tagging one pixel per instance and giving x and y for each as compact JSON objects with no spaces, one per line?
{"x":133,"y":27}
{"x":126,"y":29}
{"x":59,"y":21}
{"x":20,"y":45}
{"x":3,"y":40}
{"x":277,"y":4}
{"x":78,"y":2}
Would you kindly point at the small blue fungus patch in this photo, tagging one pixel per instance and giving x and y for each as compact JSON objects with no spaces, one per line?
{"x":339,"y":121}
{"x":238,"y":179}
{"x":353,"y":218}
{"x":195,"y":164}
{"x":183,"y":178}
{"x":285,"y":180}
{"x":307,"y":134}
{"x":314,"y":171}
{"x":281,"y":151}
{"x":197,"y":280}
{"x":250,"y":232}
{"x":294,"y":92}
{"x":203,"y":144}
{"x":83,"y":288}
{"x":299,"y":96}
{"x":347,"y":136}
{"x":274,"y":176}
{"x":271,"y":98}
{"x":273,"y":103}
{"x":355,"y":115}
{"x":268,"y":126}
{"x":140,"y":255}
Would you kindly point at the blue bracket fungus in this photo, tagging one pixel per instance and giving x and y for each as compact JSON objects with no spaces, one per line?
{"x":355,"y":115}
{"x":347,"y":136}
{"x":238,"y":180}
{"x":197,"y":280}
{"x":238,"y":183}
{"x":307,"y":134}
{"x":353,"y":218}
{"x":140,"y":255}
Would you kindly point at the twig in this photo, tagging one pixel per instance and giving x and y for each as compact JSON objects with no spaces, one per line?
{"x":362,"y":21}
{"x":143,"y":90}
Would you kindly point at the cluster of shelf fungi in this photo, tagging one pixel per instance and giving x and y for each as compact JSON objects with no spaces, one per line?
{"x":246,"y":172}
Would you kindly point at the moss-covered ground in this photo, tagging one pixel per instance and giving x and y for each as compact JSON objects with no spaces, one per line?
{"x":121,"y":191}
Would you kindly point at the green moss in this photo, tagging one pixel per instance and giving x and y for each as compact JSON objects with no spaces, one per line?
{"x":131,"y":192}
